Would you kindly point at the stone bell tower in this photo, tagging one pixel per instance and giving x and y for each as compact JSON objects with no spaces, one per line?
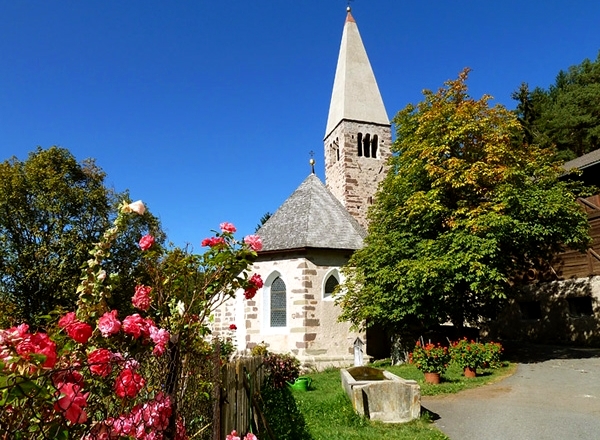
{"x":358,"y":136}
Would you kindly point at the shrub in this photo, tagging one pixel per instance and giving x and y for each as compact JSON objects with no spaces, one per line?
{"x":281,"y":369}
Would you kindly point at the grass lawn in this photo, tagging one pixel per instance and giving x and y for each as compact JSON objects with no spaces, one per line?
{"x":327,"y":412}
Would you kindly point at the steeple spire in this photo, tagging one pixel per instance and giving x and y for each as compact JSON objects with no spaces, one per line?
{"x":355,"y":93}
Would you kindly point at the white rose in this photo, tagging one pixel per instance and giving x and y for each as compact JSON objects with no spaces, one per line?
{"x":180,"y":308}
{"x":137,"y":207}
{"x":101,"y":275}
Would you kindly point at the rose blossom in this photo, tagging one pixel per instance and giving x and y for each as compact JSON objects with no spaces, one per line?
{"x":67,"y":320}
{"x":232,"y":327}
{"x":233,"y":436}
{"x":213,"y":241}
{"x":137,"y":207}
{"x":128,"y":384}
{"x":161,"y":338}
{"x":255,"y":283}
{"x":72,"y":402}
{"x":99,"y":362}
{"x":38,"y":343}
{"x":133,"y":324}
{"x":227,"y":227}
{"x":141,"y":299}
{"x":108,"y":324}
{"x":79,"y":331}
{"x":146,"y":242}
{"x":254,"y":241}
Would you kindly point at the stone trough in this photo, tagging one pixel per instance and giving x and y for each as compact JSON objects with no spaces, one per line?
{"x":381,"y":395}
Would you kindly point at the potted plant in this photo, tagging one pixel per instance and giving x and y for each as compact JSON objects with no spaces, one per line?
{"x":431,"y":359}
{"x":493,"y":353}
{"x":469,"y":355}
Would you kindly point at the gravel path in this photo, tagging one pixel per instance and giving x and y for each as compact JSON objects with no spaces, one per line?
{"x":555,"y":398}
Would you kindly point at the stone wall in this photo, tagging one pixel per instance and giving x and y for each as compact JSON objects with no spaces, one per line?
{"x":353,"y":180}
{"x":312,"y":332}
{"x":566,"y":312}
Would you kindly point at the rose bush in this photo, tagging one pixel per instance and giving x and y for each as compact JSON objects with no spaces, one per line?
{"x":98,"y":377}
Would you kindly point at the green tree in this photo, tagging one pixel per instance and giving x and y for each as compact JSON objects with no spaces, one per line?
{"x":462,"y":212}
{"x":52,"y":210}
{"x":567,"y":114}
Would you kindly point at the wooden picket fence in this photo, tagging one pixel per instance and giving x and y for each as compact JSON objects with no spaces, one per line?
{"x":241,"y":381}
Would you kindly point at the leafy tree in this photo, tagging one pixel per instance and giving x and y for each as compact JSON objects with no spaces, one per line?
{"x":462,"y":212}
{"x":567,"y":114}
{"x":52,"y":210}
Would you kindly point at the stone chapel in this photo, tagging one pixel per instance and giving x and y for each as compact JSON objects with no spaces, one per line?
{"x":314,"y":232}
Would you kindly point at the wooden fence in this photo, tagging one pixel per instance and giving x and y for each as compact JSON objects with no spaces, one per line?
{"x":241,"y":380}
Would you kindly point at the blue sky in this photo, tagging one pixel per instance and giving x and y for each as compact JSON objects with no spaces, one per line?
{"x":207,"y":111}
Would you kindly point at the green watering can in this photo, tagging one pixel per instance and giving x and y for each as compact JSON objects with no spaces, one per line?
{"x":302,"y":383}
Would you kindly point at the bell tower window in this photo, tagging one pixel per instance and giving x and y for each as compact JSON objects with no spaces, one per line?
{"x":374,"y":146}
{"x":359,"y":144}
{"x":367,"y":145}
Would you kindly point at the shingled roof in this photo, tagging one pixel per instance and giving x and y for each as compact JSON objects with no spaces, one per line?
{"x":311,"y":218}
{"x":582,"y":162}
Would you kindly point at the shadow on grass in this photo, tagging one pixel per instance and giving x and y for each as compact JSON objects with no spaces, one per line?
{"x":283,"y":416}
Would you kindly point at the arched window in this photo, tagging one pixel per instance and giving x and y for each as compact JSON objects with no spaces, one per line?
{"x":278,"y":303}
{"x":337,"y":149}
{"x":330,"y":285}
{"x":359,"y":144}
{"x":367,"y":145}
{"x":374,"y":147}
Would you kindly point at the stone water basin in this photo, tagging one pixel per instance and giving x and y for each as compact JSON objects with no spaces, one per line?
{"x":381,"y":395}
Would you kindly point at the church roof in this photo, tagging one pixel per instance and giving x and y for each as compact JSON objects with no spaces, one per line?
{"x":355,"y":93}
{"x":311,"y":217}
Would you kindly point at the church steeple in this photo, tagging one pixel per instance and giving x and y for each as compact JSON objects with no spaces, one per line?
{"x":355,"y":93}
{"x":358,"y":134}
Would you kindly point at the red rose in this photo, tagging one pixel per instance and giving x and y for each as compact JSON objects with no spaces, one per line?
{"x":99,"y":362}
{"x":128,"y":383}
{"x":67,"y":320}
{"x":232,"y":327}
{"x":79,"y":331}
{"x":146,"y":242}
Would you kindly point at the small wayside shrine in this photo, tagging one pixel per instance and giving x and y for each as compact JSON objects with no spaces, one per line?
{"x":316,"y":230}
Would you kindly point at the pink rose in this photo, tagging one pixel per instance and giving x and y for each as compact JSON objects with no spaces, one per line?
{"x":250,"y":436}
{"x":108,"y":324}
{"x":254,"y":241}
{"x":146,"y":242}
{"x":99,"y":361}
{"x":227,"y":227}
{"x":141,"y":299}
{"x":71,"y":402}
{"x":128,"y":384}
{"x":233,"y":436}
{"x":161,"y":338}
{"x":79,"y":331}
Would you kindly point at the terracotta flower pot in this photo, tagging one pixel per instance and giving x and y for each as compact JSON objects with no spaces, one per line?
{"x":470,"y":372}
{"x":433,"y":378}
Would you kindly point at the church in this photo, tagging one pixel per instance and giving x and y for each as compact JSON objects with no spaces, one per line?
{"x":316,"y":230}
